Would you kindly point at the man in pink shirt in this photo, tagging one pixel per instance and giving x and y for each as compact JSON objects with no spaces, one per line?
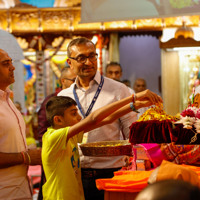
{"x":14,"y":155}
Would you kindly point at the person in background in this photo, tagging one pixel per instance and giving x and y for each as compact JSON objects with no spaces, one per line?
{"x":92,"y":91}
{"x":114,"y":71}
{"x":60,"y":155}
{"x":139,"y":85}
{"x":19,"y":107}
{"x":66,"y":79}
{"x":126,"y":82}
{"x":15,"y":157}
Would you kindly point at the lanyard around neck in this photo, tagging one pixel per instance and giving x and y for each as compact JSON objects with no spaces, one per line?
{"x":93,"y":100}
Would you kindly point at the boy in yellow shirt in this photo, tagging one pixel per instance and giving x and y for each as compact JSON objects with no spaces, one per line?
{"x":60,"y":155}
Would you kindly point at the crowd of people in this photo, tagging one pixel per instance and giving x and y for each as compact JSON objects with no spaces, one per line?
{"x":89,"y":107}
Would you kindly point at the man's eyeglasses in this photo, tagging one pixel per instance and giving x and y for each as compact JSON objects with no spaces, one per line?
{"x":82,"y":58}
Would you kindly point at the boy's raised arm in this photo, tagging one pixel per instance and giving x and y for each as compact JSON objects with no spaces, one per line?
{"x":114,"y":110}
{"x":92,"y":121}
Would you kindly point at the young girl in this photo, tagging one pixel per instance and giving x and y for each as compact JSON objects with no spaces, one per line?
{"x":60,"y":156}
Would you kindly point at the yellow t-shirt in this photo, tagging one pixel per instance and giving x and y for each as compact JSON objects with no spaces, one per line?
{"x":61,"y":165}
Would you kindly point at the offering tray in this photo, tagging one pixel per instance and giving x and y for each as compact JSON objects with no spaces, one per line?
{"x":107,"y":148}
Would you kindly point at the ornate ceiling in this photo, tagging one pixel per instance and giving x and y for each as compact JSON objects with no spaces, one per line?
{"x":65,"y":17}
{"x":26,"y":21}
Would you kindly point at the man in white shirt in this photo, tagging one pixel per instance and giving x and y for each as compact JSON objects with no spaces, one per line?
{"x":92,"y":91}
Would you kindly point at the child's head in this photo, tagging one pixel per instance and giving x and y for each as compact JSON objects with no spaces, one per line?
{"x":56,"y":106}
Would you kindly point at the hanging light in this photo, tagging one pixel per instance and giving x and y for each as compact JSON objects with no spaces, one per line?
{"x":184,"y":31}
{"x":182,"y":37}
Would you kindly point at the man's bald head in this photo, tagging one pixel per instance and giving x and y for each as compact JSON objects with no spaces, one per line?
{"x":169,"y":190}
{"x":67,"y":77}
{"x":139,"y":85}
{"x":6,"y":70}
{"x":2,"y":52}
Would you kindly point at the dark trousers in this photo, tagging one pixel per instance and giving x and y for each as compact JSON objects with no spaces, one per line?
{"x":89,"y":177}
{"x":43,"y":180}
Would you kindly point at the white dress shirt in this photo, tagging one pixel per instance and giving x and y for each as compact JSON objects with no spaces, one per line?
{"x":111,"y":92}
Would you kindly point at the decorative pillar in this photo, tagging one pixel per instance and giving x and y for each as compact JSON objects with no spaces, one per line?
{"x":99,"y":49}
{"x":40,"y":78}
{"x":114,"y":47}
{"x":18,"y":86}
{"x":170,"y":81}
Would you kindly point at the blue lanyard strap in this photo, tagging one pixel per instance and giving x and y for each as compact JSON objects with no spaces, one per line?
{"x":93,"y":100}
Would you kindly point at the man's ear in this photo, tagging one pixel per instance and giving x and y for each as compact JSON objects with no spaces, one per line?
{"x":57,"y":120}
{"x":62,"y":81}
{"x":69,"y":62}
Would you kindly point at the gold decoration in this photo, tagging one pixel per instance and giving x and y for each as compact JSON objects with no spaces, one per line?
{"x":177,"y":21}
{"x":52,"y":20}
{"x":69,"y":19}
{"x":3,"y":20}
{"x":22,"y":42}
{"x":180,"y":42}
{"x":148,"y":23}
{"x":24,"y":20}
{"x":66,"y":3}
{"x":58,"y":40}
{"x":118,"y":25}
{"x":184,"y":31}
{"x":156,"y":113}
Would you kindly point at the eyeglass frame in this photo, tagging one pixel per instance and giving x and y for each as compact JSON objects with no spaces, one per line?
{"x":86,"y":57}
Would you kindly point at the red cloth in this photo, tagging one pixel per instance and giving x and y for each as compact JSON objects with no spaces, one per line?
{"x":181,"y":154}
{"x":183,"y":136}
{"x":152,"y":131}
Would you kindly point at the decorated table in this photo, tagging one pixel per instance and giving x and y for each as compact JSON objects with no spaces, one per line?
{"x":154,"y":138}
{"x":127,"y":189}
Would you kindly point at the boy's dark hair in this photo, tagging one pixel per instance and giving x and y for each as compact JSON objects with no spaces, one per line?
{"x":56,"y":106}
{"x":77,"y":41}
